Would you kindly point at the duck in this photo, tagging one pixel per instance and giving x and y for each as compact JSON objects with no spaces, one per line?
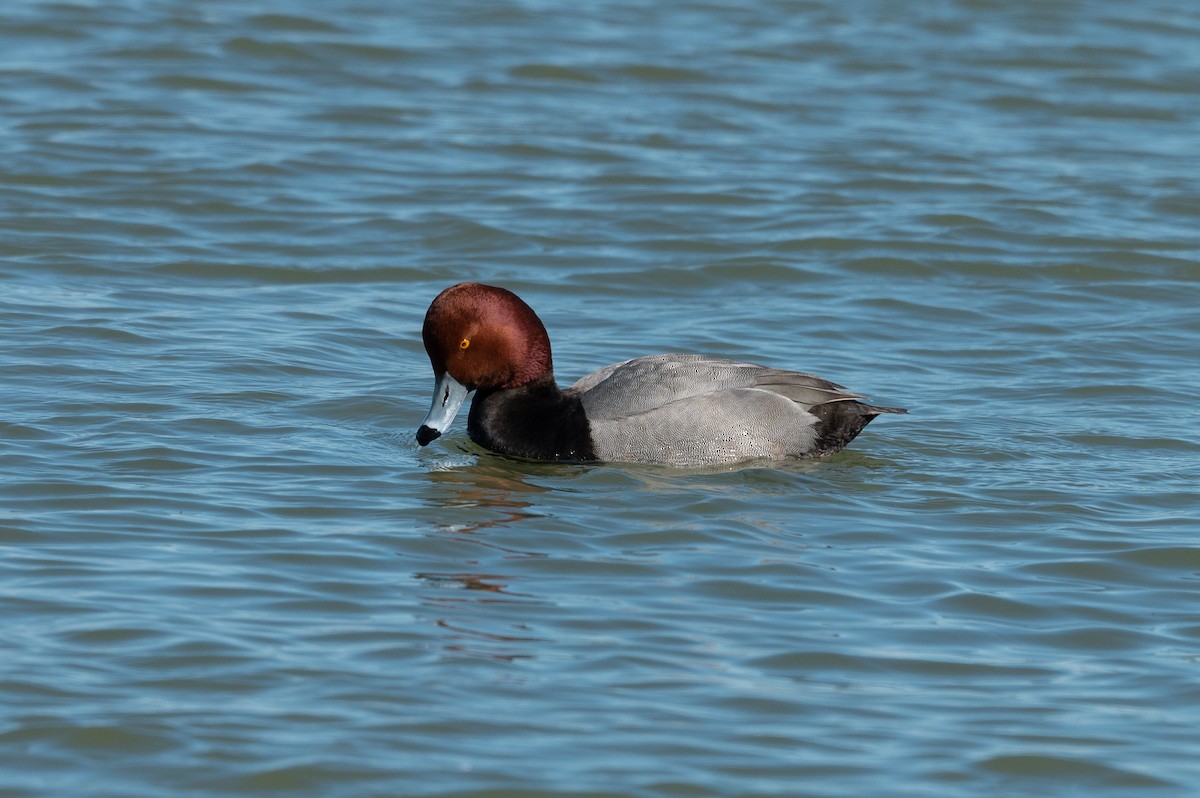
{"x":675,"y":409}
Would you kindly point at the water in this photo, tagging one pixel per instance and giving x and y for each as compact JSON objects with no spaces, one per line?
{"x":228,"y":568}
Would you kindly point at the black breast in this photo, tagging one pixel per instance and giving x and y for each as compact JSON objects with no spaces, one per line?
{"x":536,"y":421}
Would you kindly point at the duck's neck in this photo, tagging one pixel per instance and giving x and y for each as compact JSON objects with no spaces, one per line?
{"x":536,"y":420}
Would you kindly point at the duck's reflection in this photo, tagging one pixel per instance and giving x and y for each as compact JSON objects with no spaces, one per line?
{"x":485,"y":582}
{"x":478,"y":611}
{"x":457,"y":596}
{"x":494,"y":492}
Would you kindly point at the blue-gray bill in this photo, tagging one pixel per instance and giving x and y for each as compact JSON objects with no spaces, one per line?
{"x":448,"y":396}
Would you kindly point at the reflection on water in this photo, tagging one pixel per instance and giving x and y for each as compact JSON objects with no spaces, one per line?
{"x":452,"y":596}
{"x":497,"y":497}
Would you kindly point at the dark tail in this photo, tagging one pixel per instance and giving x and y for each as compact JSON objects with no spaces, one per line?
{"x":840,"y":422}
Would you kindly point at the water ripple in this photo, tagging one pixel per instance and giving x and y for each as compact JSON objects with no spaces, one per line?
{"x":228,"y":566}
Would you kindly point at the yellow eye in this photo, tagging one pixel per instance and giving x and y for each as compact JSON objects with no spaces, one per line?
{"x":464,"y":343}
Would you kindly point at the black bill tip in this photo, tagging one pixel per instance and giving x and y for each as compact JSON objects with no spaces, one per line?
{"x":426,"y":435}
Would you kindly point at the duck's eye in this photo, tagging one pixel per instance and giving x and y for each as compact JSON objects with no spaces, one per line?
{"x":464,"y":343}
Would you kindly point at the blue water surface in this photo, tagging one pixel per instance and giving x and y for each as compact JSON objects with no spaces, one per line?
{"x":226,"y":567}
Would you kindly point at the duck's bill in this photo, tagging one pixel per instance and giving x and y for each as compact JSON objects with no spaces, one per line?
{"x":448,"y":396}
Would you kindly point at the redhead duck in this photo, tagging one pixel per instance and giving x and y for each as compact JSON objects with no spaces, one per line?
{"x":678,"y":410}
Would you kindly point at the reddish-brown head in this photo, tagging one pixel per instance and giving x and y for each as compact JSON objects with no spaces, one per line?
{"x":485,"y":337}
